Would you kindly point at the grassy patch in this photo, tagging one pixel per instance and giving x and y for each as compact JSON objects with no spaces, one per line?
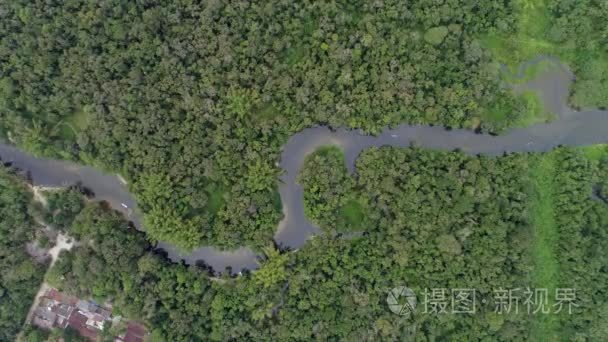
{"x":589,"y":61}
{"x":276,"y":200}
{"x":596,"y":152}
{"x":527,"y":109}
{"x":531,"y":72}
{"x":534,"y":111}
{"x":295,"y":54}
{"x":546,"y":267}
{"x":78,"y":121}
{"x":511,"y":50}
{"x":591,"y":88}
{"x":215,"y":197}
{"x":267,"y":111}
{"x":498,"y":112}
{"x":330,"y":151}
{"x":353,"y":214}
{"x":529,"y":40}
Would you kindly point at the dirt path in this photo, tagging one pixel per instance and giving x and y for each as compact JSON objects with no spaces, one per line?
{"x":62,"y":242}
{"x":38,"y":193}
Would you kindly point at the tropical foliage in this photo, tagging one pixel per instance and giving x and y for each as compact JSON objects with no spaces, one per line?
{"x":182,"y":97}
{"x":434,"y":220}
{"x":20,"y":275}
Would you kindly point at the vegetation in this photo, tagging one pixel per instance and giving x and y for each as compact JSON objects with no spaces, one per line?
{"x":114,"y":262}
{"x":436,"y":220}
{"x":433,"y":220}
{"x":62,"y":206}
{"x":330,"y":200}
{"x":595,"y":153}
{"x":20,"y":275}
{"x":32,"y":333}
{"x":181,"y":98}
{"x":353,"y":213}
{"x":526,"y":109}
{"x":572,"y":30}
{"x":108,"y":255}
{"x":544,"y":246}
{"x":545,"y":228}
{"x":582,"y":221}
{"x":192,"y":103}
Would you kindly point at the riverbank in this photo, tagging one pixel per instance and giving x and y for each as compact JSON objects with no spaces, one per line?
{"x":62,"y":242}
{"x":571,"y":129}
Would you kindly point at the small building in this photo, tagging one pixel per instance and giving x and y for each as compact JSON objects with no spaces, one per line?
{"x":57,"y":310}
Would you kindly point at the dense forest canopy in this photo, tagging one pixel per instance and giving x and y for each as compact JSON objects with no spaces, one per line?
{"x":433,"y":220}
{"x":20,"y":275}
{"x":192,"y":101}
{"x":329,"y":190}
{"x":62,"y":205}
{"x":570,"y":21}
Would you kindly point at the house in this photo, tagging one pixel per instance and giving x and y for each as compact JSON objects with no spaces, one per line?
{"x":58,"y":310}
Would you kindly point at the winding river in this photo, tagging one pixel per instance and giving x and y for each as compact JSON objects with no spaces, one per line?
{"x":570,"y":128}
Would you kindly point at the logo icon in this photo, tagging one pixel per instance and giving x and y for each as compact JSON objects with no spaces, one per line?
{"x":402,"y":301}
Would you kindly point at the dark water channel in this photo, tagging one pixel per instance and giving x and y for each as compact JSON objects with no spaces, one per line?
{"x":570,"y":128}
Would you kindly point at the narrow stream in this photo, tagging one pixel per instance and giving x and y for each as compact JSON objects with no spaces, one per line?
{"x":570,"y":128}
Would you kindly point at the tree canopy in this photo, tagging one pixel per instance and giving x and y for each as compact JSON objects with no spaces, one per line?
{"x":434,"y":220}
{"x":184,"y":97}
{"x":20,"y":275}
